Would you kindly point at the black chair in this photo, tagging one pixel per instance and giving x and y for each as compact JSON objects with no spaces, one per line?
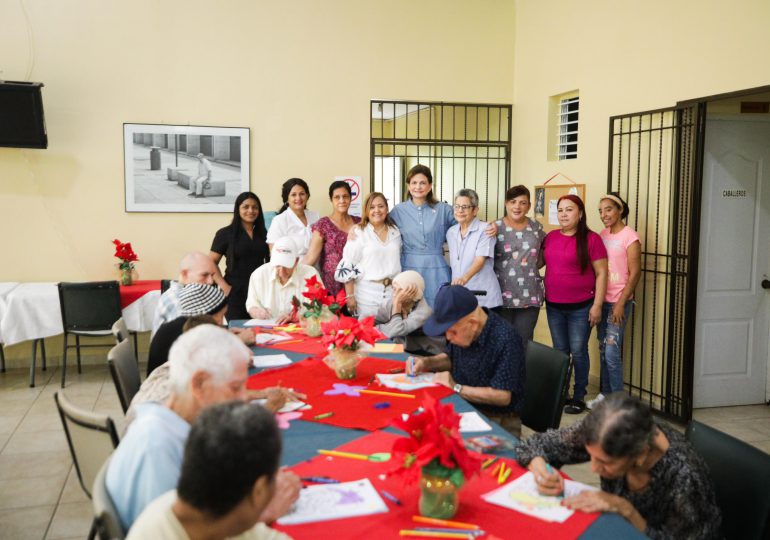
{"x":741,"y":475}
{"x":164,"y":285}
{"x":545,"y":389}
{"x":107,"y":524}
{"x":87,"y":309}
{"x":125,"y":372}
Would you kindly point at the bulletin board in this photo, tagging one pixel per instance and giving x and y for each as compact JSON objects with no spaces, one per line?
{"x":546,"y":197}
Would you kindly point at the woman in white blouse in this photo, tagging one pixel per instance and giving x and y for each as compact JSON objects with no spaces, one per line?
{"x":293,"y":219}
{"x":371,"y":258}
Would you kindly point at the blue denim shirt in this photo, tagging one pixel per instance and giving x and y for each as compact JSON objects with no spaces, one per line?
{"x":495,"y":359}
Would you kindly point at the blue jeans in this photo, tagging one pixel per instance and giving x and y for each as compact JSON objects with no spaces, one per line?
{"x":570,"y":330}
{"x":610,"y":338}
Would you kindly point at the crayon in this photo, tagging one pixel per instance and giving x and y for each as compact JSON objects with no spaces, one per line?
{"x":392,"y":498}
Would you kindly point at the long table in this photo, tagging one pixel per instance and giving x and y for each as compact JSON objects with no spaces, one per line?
{"x":302,"y":440}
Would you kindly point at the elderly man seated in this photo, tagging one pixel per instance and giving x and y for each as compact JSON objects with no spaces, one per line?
{"x":195,"y":267}
{"x":227,"y":479}
{"x":207,"y":365}
{"x":272,"y":286}
{"x":401,"y":317}
{"x":484,"y":358}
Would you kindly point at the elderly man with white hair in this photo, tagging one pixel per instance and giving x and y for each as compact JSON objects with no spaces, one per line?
{"x":195,"y":267}
{"x":272,"y":286}
{"x":207,"y":365}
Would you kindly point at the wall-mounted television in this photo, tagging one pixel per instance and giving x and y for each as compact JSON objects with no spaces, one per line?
{"x":22,"y":123}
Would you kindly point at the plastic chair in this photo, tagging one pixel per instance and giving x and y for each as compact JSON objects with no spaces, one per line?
{"x":545,"y":389}
{"x":164,"y":285}
{"x":121,"y":332}
{"x":125,"y":372}
{"x":87,"y":309}
{"x":107,"y":524}
{"x":741,"y":475}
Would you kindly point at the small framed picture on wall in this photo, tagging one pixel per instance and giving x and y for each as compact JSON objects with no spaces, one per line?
{"x":184,"y":168}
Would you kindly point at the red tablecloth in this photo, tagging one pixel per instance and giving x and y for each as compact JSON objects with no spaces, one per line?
{"x":495,"y":520}
{"x":308,"y":345}
{"x":313,"y":377}
{"x":131,"y":293}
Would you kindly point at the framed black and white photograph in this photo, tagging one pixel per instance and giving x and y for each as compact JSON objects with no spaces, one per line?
{"x":184,"y":168}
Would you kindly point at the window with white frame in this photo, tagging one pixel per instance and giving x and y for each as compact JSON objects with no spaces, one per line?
{"x":567,"y":123}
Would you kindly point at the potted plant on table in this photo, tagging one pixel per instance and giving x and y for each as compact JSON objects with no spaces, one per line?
{"x":344,"y":338}
{"x":435,"y":453}
{"x":125,"y":253}
{"x":320,"y":306}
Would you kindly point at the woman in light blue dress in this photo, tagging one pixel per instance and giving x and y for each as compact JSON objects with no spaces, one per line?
{"x":424,"y":222}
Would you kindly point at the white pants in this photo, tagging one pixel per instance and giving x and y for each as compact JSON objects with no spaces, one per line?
{"x":196,"y":185}
{"x":370,"y":295}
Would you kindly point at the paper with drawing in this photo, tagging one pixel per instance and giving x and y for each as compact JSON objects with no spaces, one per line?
{"x":323,"y":502}
{"x":522,"y":495}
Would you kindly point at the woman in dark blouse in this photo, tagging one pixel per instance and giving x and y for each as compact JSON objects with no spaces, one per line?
{"x":243,"y":245}
{"x":649,"y":473}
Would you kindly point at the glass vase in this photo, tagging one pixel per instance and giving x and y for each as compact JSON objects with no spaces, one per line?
{"x":439,"y":497}
{"x":126,"y":276}
{"x":343,"y":362}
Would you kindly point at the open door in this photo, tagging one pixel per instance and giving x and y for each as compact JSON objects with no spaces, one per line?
{"x":655,"y":164}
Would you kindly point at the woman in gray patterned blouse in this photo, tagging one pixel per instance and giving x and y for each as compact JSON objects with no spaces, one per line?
{"x":517,"y":262}
{"x":649,"y":473}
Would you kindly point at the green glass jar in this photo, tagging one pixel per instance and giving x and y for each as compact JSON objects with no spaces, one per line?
{"x":439,"y":497}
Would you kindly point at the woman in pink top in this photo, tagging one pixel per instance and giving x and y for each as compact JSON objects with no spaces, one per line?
{"x":624,"y":262}
{"x":575,"y":284}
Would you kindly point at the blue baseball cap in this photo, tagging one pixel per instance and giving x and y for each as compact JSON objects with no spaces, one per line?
{"x":452,"y":303}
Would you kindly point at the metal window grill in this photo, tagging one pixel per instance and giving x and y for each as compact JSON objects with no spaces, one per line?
{"x":653,"y":164}
{"x":569,"y":111}
{"x":465,"y":145}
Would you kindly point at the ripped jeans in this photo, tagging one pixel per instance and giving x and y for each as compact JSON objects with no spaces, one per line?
{"x":610,"y":338}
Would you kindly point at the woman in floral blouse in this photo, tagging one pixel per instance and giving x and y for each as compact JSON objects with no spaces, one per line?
{"x":517,"y":262}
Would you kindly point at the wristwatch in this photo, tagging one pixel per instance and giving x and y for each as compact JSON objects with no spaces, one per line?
{"x":457,"y":388}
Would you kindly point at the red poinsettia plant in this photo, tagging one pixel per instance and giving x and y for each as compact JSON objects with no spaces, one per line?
{"x":125,"y":253}
{"x":348,"y":333}
{"x":434,"y":445}
{"x":318,"y":297}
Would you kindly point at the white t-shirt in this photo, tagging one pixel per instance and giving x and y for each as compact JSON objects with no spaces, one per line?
{"x":288,"y":224}
{"x":159,"y":522}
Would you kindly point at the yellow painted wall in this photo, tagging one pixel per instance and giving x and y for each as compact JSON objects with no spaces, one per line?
{"x":300,"y":74}
{"x":623,"y":57}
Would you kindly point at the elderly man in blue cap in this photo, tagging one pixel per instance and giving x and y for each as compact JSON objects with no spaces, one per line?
{"x":484,"y":358}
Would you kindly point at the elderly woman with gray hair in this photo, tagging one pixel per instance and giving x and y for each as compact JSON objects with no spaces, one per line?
{"x":649,"y":473}
{"x":472,"y":251}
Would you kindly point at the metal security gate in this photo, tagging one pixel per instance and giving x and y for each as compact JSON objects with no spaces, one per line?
{"x":465,"y":145}
{"x":655,"y":162}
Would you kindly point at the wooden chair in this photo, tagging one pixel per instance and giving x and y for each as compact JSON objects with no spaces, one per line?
{"x":545,"y":390}
{"x":741,"y":475}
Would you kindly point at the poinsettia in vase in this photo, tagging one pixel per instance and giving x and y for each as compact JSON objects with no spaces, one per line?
{"x":345,"y":337}
{"x":125,"y":253}
{"x":320,"y":306}
{"x":435,"y":453}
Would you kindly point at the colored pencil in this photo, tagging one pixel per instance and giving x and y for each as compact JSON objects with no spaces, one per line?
{"x":445,"y":523}
{"x":393,"y":394}
{"x":287,"y":342}
{"x":336,"y":453}
{"x":501,"y":473}
{"x":319,"y":480}
{"x":428,"y":534}
{"x":392,"y":498}
{"x":489,"y":462}
{"x":506,"y":475}
{"x":324,"y":415}
{"x":473,"y":533}
{"x":495,"y":470}
{"x":396,"y":370}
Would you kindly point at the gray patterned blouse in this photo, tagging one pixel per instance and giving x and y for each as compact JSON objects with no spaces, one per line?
{"x":516,"y":256}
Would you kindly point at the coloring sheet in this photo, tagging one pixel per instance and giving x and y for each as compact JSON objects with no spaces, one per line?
{"x":260,"y":322}
{"x":473,"y":422}
{"x":270,"y":360}
{"x":401,"y":381}
{"x":324,"y":502}
{"x":522,"y":495}
{"x":269,"y":339}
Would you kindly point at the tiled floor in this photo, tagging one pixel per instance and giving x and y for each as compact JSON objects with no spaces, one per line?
{"x":40,"y":496}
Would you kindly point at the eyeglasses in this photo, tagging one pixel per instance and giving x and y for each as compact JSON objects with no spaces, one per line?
{"x":464,"y":207}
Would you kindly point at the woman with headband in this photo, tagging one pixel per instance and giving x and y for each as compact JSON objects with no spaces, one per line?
{"x":575,"y":284}
{"x":624,"y":269}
